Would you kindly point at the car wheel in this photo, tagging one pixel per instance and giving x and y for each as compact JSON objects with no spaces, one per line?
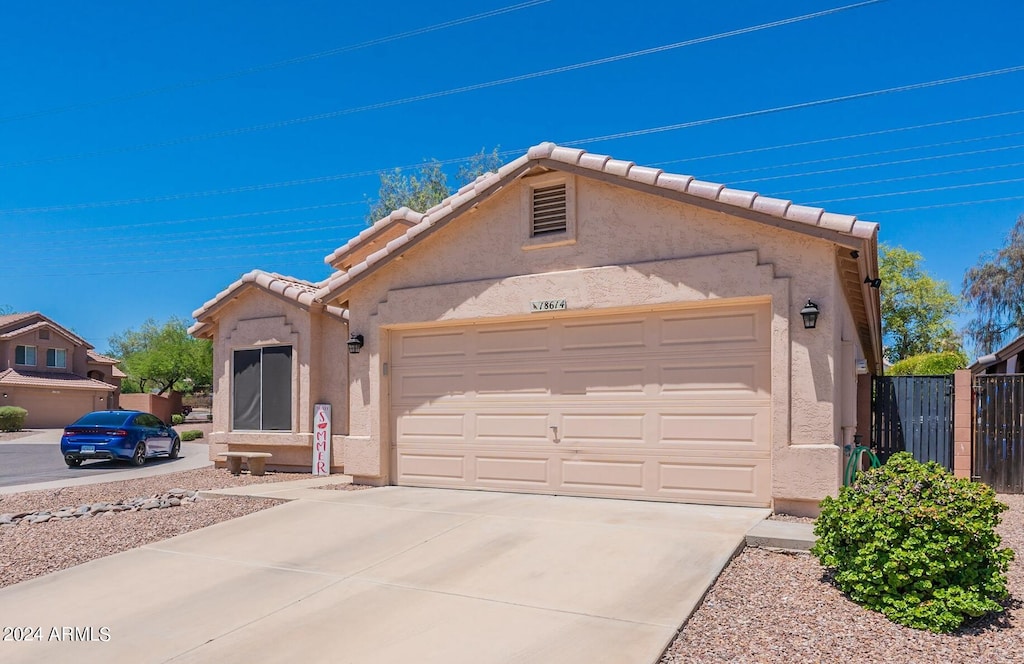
{"x":72,"y":462}
{"x":139,"y":457}
{"x":175,"y":448}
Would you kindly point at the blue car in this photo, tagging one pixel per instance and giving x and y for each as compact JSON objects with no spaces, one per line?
{"x":126,"y":435}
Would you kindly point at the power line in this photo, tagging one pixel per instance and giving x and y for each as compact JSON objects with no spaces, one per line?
{"x":866,"y":154}
{"x":442,"y":93}
{"x":818,"y":141}
{"x":942,"y":205}
{"x":274,"y":65}
{"x":879,"y":164}
{"x":801,"y":105}
{"x":917,"y":191}
{"x":916,"y":176}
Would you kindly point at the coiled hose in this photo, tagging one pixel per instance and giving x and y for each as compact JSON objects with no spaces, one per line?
{"x":853,"y":465}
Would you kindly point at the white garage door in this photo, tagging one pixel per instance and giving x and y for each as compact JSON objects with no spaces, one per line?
{"x":657,"y":405}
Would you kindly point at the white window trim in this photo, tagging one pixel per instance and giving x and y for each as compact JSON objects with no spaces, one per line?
{"x":35,"y":356}
{"x":55,"y":353}
{"x":549,"y":239}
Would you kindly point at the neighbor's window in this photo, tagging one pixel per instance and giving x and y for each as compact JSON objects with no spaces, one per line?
{"x":262,"y":389}
{"x":25,"y":355}
{"x":56,"y":358}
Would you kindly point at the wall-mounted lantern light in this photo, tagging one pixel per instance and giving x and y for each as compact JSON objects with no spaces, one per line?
{"x":874,"y":283}
{"x":355,"y":343}
{"x":810,"y":315}
{"x":5,"y":395}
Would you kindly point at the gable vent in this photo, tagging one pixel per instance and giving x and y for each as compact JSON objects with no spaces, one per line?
{"x":44,"y":334}
{"x":549,"y":210}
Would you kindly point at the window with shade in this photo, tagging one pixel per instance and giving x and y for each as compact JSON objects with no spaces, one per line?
{"x":262,"y":389}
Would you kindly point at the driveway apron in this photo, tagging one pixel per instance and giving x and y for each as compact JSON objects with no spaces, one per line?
{"x":393,"y":574}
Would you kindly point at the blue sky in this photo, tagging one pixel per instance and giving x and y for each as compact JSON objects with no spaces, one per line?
{"x":134,"y":165}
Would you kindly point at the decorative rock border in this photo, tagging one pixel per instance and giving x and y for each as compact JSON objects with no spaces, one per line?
{"x":173,"y":498}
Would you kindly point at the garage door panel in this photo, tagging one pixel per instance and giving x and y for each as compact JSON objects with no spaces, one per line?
{"x":617,"y":334}
{"x":432,"y":426}
{"x":432,"y":345}
{"x":512,"y":426}
{"x":515,"y":341}
{"x":689,"y":330}
{"x":737,"y":377}
{"x":662,"y":405}
{"x":735,"y":431}
{"x":418,"y":386}
{"x":603,"y":473}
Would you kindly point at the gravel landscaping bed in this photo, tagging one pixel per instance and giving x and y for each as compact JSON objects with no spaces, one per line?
{"x":775,"y":607}
{"x":31,"y":550}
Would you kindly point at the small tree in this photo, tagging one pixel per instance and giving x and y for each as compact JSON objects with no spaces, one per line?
{"x":994,"y":288}
{"x":427,"y":187}
{"x":164,"y":356}
{"x":917,"y":310}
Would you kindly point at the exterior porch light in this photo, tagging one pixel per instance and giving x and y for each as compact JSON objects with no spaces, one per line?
{"x":810,"y":315}
{"x":355,"y":343}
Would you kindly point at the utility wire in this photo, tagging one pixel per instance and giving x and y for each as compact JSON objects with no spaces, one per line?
{"x":916,"y":176}
{"x":442,"y":93}
{"x":793,"y":107}
{"x":831,"y":139}
{"x":929,"y":190}
{"x":943,"y":205}
{"x":273,"y":65}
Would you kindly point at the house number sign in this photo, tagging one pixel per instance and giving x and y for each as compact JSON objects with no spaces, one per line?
{"x":547,"y":305}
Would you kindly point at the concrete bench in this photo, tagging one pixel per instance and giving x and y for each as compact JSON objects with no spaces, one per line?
{"x":256,"y":461}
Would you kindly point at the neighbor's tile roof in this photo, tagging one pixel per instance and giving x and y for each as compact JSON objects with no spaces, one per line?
{"x":101,"y":359}
{"x":51,"y":380}
{"x":18,"y":331}
{"x":301,"y":292}
{"x":13,"y":318}
{"x":579,"y":161}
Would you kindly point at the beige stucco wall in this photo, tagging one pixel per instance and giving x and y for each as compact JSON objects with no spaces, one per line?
{"x":319,"y":375}
{"x":76,"y":360}
{"x":631,"y":249}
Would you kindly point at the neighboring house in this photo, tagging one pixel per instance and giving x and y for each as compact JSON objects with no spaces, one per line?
{"x":1007,"y":360}
{"x":572,"y":324}
{"x":53,"y":373}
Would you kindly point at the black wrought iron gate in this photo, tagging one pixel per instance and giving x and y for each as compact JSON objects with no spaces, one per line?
{"x":999,"y":431}
{"x":913,"y":414}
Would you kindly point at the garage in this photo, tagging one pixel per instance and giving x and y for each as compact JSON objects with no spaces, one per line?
{"x":656,"y":404}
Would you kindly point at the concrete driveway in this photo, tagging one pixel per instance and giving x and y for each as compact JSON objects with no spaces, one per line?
{"x":393,"y":574}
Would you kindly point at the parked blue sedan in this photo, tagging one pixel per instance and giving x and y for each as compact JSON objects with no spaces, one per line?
{"x":126,"y":435}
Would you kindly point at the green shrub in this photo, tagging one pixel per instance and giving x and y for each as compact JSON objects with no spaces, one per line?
{"x":916,"y":544}
{"x":12,"y":418}
{"x":191,"y":434}
{"x":929,"y":364}
{"x":177,"y":419}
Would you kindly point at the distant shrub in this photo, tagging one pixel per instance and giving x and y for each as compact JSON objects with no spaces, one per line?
{"x":917,"y":544}
{"x":191,"y":434}
{"x":12,"y":418}
{"x":177,"y":419}
{"x":929,"y":364}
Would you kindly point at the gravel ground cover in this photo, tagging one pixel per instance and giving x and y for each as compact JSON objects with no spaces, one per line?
{"x":31,"y":550}
{"x":769,"y":607}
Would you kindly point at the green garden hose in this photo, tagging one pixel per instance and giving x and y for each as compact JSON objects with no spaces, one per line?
{"x":853,"y":465}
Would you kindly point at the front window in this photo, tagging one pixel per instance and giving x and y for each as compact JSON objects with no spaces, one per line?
{"x":25,"y":356}
{"x":56,"y":358}
{"x":262,"y":389}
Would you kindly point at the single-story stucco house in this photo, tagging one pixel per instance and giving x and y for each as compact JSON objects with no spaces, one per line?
{"x":52,"y":372}
{"x":572,"y":324}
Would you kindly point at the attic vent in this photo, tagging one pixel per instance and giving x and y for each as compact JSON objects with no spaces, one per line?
{"x":44,"y":334}
{"x":549,"y":210}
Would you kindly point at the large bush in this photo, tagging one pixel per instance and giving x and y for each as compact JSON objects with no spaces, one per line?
{"x":12,"y":418}
{"x":915,"y":543}
{"x":929,"y":364}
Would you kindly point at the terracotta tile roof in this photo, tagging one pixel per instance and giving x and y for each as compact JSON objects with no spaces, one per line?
{"x":45,"y":322}
{"x":51,"y":380}
{"x":582,"y":162}
{"x":289,"y":288}
{"x":101,"y":359}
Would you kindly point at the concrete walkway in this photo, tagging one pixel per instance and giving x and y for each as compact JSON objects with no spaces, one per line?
{"x":394,"y":574}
